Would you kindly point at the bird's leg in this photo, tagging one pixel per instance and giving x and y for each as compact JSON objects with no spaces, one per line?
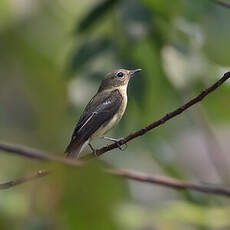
{"x":116,"y":141}
{"x":93,"y":149}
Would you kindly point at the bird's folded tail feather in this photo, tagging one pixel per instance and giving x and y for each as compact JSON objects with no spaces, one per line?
{"x":75,"y":148}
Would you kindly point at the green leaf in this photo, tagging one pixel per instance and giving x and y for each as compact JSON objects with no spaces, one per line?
{"x":217,"y":35}
{"x":96,"y":14}
{"x":88,"y":51}
{"x":87,"y":197}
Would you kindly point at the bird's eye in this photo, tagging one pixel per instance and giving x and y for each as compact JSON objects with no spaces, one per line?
{"x":120,"y":74}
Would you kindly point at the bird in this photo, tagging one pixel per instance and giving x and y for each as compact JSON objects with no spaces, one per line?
{"x":102,"y":112}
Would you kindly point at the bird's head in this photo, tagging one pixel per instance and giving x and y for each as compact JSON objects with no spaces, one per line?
{"x":117,"y":78}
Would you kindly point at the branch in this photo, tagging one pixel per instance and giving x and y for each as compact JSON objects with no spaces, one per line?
{"x":170,"y":182}
{"x":36,"y":154}
{"x":164,"y":181}
{"x":137,"y":176}
{"x":18,"y":181}
{"x":26,"y":152}
{"x":162,"y":120}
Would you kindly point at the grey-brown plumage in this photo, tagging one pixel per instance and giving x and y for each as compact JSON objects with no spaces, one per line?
{"x":103,"y":111}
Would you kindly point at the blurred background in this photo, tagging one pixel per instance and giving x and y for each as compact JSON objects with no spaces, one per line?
{"x":53,"y":55}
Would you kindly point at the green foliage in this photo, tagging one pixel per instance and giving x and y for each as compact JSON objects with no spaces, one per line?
{"x":96,"y":14}
{"x":89,"y":50}
{"x":216,"y":46}
{"x":90,"y":196}
{"x":48,"y":74}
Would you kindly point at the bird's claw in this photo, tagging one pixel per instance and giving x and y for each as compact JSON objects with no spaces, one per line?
{"x":93,"y":150}
{"x":116,"y":141}
{"x":120,"y":145}
{"x":95,"y":153}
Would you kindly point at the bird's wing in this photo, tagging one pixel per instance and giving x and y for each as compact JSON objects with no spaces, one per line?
{"x":97,"y":113}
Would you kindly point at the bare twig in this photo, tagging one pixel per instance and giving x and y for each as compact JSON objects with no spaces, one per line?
{"x":165,"y":118}
{"x":18,"y":181}
{"x":164,"y":181}
{"x":24,"y":151}
{"x":170,"y":182}
{"x":36,"y":154}
{"x":137,"y":176}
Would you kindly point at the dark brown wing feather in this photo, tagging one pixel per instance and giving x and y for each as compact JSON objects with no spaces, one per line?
{"x":97,"y":113}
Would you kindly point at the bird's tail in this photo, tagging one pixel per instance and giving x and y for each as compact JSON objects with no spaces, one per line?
{"x":75,"y":148}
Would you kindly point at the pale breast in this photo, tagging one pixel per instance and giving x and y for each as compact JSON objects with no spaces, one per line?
{"x":116,"y":118}
{"x":124,"y":102}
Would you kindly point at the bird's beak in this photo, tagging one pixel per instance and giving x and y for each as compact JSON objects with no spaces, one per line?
{"x":132,"y":72}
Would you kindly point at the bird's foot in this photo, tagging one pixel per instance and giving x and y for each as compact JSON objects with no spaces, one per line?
{"x":116,"y":140}
{"x":93,"y":150}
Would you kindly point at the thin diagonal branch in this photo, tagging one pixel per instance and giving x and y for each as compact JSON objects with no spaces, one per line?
{"x":36,"y":154}
{"x":21,"y":180}
{"x":164,"y":181}
{"x":162,"y":120}
{"x":137,"y":176}
{"x":170,"y":182}
{"x":26,"y":151}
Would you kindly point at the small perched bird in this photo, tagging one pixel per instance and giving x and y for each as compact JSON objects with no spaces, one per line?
{"x":103,"y":111}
